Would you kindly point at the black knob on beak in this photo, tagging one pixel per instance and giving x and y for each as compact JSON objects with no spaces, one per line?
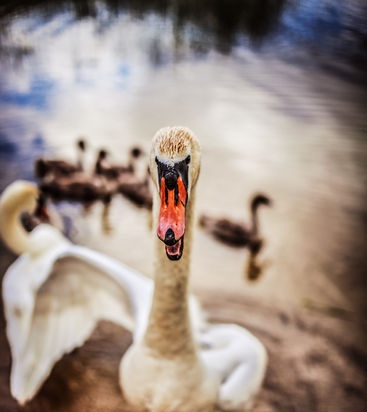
{"x":171,"y":180}
{"x":169,"y":238}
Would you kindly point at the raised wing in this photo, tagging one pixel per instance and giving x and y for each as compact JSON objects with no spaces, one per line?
{"x":50,"y":318}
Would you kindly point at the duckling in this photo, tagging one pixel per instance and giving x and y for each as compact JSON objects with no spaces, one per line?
{"x":113,"y":171}
{"x":44,"y":214}
{"x":238,"y":234}
{"x":39,"y":215}
{"x":78,"y":187}
{"x":44,"y":168}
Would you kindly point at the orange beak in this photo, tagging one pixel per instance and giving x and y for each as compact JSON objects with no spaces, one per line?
{"x":171,"y":221}
{"x":172,"y":211}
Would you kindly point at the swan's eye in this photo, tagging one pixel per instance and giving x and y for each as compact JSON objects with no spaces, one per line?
{"x":188,"y":159}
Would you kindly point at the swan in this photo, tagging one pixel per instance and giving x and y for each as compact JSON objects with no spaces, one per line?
{"x":236,"y":233}
{"x":56,"y":292}
{"x":168,"y":369}
{"x":44,"y":168}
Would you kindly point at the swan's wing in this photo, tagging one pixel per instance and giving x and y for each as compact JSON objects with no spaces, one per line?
{"x":139,"y":288}
{"x":49,"y":318}
{"x":239,"y":360}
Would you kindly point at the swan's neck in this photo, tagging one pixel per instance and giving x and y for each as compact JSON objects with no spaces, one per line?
{"x":12,"y":231}
{"x":254,"y":221}
{"x":80,"y":161}
{"x":169,"y":330}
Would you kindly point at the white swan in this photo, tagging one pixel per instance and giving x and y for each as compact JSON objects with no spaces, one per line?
{"x":166,"y":370}
{"x":55,"y":293}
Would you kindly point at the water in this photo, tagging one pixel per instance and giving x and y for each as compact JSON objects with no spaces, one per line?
{"x":275,"y":91}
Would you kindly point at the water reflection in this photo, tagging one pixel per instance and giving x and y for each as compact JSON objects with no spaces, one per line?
{"x":287,"y":29}
{"x":245,"y":76}
{"x":218,"y":21}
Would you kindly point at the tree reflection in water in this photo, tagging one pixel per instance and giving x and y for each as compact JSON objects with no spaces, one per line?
{"x":207,"y":24}
{"x":282,"y":28}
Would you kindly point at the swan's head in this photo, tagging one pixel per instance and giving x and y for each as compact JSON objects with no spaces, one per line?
{"x":20,"y":192}
{"x":25,"y":195}
{"x":260,"y":199}
{"x":174,"y":168}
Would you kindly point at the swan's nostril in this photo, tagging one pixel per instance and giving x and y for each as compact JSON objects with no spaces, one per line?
{"x":169,"y":238}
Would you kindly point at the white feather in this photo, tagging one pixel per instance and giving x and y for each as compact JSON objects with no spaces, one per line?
{"x":54,"y":299}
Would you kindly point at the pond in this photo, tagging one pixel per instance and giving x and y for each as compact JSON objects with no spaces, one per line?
{"x":275,"y":91}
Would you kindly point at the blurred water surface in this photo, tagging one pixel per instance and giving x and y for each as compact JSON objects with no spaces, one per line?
{"x":275,"y":91}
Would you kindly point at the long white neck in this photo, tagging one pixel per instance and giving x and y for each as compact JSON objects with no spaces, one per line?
{"x":12,"y":232}
{"x":169,"y":328}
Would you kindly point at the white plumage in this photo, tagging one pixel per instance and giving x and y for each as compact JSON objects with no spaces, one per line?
{"x":55,"y":293}
{"x":53,"y":299}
